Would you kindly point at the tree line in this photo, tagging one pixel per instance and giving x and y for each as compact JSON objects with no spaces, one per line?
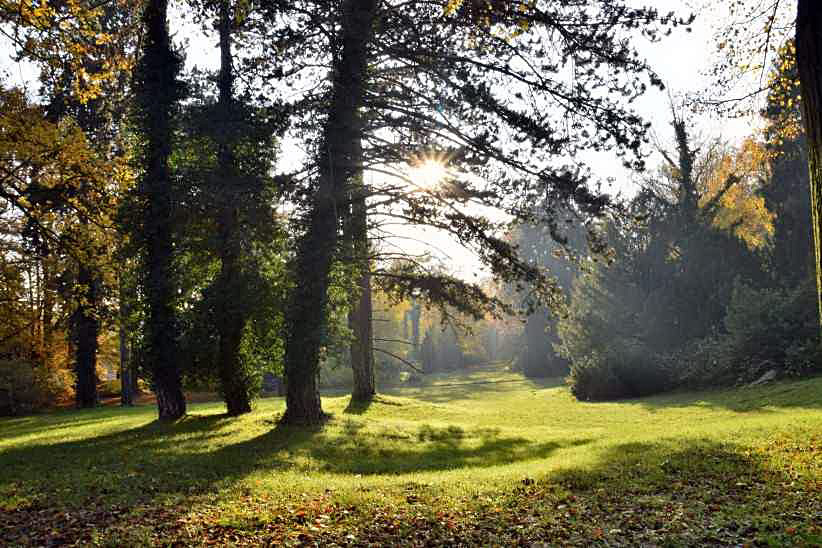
{"x":157,"y":201}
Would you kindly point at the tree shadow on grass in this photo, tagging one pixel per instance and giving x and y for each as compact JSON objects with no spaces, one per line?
{"x":703,"y":492}
{"x":429,"y":448}
{"x":194,"y":455}
{"x":689,"y":492}
{"x":355,"y":407}
{"x":765,"y":398}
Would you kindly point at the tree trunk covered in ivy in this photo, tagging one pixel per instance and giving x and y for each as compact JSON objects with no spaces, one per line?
{"x":86,"y":332}
{"x":157,"y":92}
{"x":231,"y":318}
{"x":360,"y":316}
{"x":339,"y":164}
{"x":809,"y":63}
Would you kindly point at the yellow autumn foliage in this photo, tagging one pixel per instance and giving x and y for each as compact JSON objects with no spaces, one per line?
{"x":740,"y":208}
{"x":69,"y":34}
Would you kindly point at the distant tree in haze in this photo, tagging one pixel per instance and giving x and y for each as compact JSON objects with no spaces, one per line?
{"x":674,"y":273}
{"x":537,"y":356}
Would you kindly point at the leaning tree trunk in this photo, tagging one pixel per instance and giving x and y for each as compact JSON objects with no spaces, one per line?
{"x":338,"y":165}
{"x":360,"y":316}
{"x":87,"y":330}
{"x":809,"y":63}
{"x":157,"y":92}
{"x":231,"y":317}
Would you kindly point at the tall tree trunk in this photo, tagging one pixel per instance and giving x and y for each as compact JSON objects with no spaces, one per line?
{"x":231,"y":318}
{"x":157,"y":92}
{"x":127,"y":380}
{"x":339,"y":163}
{"x":87,"y":330}
{"x":360,"y":316}
{"x":809,"y":63}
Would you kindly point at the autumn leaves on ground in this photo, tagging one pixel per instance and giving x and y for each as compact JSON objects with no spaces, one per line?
{"x":428,"y":465}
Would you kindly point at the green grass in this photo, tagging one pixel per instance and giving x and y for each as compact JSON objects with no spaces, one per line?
{"x":484,"y":455}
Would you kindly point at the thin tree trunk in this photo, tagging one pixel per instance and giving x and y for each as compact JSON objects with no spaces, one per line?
{"x":809,"y":63}
{"x":416,"y":312}
{"x":232,"y":318}
{"x":126,"y":371}
{"x":48,"y":312}
{"x":339,"y":164}
{"x":86,"y":344}
{"x":157,"y":92}
{"x":360,"y":316}
{"x":362,"y":347}
{"x":361,"y":313}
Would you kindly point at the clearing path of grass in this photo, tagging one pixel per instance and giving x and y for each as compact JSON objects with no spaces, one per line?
{"x":460,"y":461}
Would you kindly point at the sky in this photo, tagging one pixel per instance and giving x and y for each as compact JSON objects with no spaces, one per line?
{"x":681,"y":60}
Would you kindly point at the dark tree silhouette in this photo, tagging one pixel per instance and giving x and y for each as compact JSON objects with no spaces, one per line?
{"x":157,"y":93}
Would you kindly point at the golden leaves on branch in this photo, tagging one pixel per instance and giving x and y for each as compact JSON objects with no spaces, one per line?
{"x":53,"y":178}
{"x":60,"y":34}
{"x":735,"y":180}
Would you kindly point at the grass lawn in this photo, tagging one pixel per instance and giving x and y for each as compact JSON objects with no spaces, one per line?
{"x":502,"y":461}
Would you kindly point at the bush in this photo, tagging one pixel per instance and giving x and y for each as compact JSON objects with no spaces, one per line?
{"x":25,"y":388}
{"x":628,"y":370}
{"x":765,"y":329}
{"x":591,"y":379}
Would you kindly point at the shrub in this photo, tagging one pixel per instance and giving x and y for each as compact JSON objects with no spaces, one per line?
{"x":591,"y":379}
{"x":771,"y":328}
{"x":627,"y":370}
{"x":25,"y":388}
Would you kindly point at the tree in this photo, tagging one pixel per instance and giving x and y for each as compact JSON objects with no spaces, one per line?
{"x":230,"y":318}
{"x":157,"y":93}
{"x":360,"y":314}
{"x":806,"y":22}
{"x":537,"y":357}
{"x":423,"y":80}
{"x":787,"y":194}
{"x":666,"y":288}
{"x":340,"y":161}
{"x":809,"y":64}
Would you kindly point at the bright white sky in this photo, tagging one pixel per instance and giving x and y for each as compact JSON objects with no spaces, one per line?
{"x":681,"y":60}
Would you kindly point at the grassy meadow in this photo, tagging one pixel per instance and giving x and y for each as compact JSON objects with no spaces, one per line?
{"x":484,"y":457}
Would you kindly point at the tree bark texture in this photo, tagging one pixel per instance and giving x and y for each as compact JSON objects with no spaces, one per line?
{"x":87,"y":330}
{"x":809,"y":63}
{"x":231,"y":318}
{"x":339,"y":164}
{"x":361,"y":313}
{"x":360,"y":316}
{"x":157,"y":92}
